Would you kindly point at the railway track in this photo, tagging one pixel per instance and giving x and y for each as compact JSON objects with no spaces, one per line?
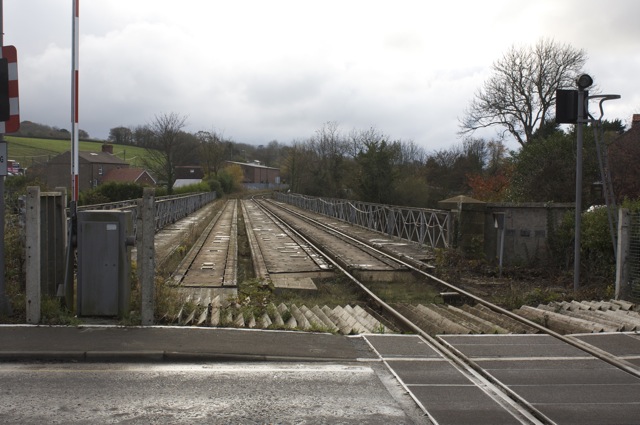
{"x":506,"y":396}
{"x":290,"y":250}
{"x":210,"y":267}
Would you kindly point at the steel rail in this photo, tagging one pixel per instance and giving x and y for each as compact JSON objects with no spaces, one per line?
{"x":581,"y":345}
{"x":503,"y":395}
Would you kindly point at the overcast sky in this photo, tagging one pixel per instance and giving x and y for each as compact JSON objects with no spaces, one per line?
{"x":262,"y":70}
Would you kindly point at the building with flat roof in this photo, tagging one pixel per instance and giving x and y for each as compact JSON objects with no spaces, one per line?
{"x":257,"y":175}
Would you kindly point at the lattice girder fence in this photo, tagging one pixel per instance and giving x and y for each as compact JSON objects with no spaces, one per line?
{"x":424,"y":226}
{"x":168,"y":209}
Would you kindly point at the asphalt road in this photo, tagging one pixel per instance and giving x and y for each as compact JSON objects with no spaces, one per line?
{"x":223,"y":393}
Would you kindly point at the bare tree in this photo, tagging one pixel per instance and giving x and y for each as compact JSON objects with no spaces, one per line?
{"x":211,"y":151}
{"x":411,"y":153}
{"x":358,"y":139}
{"x":166,"y":146}
{"x":330,"y":147}
{"x":522,"y":89}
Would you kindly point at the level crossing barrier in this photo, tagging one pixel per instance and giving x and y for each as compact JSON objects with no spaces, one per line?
{"x":424,"y":226}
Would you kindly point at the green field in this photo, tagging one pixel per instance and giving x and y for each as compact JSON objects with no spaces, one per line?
{"x":27,"y":150}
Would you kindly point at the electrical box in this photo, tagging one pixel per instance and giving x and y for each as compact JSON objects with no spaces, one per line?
{"x":104,"y":262}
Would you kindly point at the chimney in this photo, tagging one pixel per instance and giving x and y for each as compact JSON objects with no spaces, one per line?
{"x":107,"y":148}
{"x":635,"y":121}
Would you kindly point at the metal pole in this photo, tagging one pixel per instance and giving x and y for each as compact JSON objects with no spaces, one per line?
{"x":501,"y":249}
{"x":73,"y":205}
{"x":5,"y":307}
{"x":74,"y":102}
{"x":578,"y":214}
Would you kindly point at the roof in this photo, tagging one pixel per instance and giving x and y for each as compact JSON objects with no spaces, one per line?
{"x":463,"y":199}
{"x":252,"y":165}
{"x":101,"y":158}
{"x":460,"y":201}
{"x":126,"y":175}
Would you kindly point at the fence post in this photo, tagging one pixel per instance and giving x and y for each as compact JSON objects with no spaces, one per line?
{"x":391,"y":221}
{"x":32,"y":260}
{"x":147,"y":265}
{"x":622,"y":261}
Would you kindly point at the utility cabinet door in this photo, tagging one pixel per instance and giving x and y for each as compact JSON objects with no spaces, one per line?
{"x":98,"y":250}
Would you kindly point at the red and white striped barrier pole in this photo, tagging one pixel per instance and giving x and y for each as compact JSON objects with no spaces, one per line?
{"x":73,"y":227}
{"x":74,"y":102}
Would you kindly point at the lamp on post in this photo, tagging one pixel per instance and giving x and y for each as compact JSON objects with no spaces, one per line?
{"x":572,"y":108}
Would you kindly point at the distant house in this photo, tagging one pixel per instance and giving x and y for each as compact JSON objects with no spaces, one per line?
{"x":130,"y":175}
{"x":258,"y":176}
{"x":93,"y":167}
{"x":188,"y":175}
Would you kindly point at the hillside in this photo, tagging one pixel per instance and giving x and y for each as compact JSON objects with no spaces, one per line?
{"x":28,"y":151}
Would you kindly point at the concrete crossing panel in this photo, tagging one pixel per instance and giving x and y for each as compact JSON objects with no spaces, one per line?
{"x":593,"y":414}
{"x":566,"y":385}
{"x":494,"y":346}
{"x":429,"y":372}
{"x":411,"y":346}
{"x":618,"y":344}
{"x":562,"y":376}
{"x":461,"y":405}
{"x":447,"y":395}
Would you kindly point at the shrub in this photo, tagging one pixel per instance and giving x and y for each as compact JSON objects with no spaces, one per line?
{"x":192,"y":188}
{"x":231,"y":179}
{"x":111,"y":192}
{"x":596,"y":244}
{"x":560,"y":240}
{"x":215,"y":186}
{"x":596,"y":251}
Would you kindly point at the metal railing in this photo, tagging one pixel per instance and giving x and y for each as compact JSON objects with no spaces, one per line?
{"x":168,"y":209}
{"x":421,"y":225}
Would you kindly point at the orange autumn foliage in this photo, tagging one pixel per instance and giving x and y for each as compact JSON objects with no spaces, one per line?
{"x":490,"y":188}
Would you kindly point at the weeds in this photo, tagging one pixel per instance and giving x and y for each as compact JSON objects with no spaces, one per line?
{"x":53,"y":313}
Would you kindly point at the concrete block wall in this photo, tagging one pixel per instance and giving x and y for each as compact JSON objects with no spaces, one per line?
{"x":526,"y":227}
